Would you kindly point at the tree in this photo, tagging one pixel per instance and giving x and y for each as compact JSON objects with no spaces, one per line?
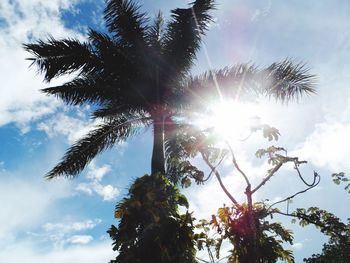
{"x":138,"y":75}
{"x":248,"y":225}
{"x":337,"y":250}
{"x":150,"y":228}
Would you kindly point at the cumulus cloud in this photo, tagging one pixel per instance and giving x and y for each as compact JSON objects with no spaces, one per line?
{"x":297,"y":246}
{"x":95,"y":175}
{"x":25,"y":252}
{"x":61,"y":235}
{"x":72,"y":226}
{"x":73,"y":128}
{"x":27,"y":206}
{"x":80,"y":239}
{"x":328,"y":145}
{"x":23,"y":21}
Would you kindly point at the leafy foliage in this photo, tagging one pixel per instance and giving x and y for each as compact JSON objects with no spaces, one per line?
{"x":341,"y":178}
{"x":233,"y":224}
{"x":337,"y":250}
{"x":150,"y":227}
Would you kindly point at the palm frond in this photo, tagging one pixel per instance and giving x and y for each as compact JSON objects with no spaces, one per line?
{"x":115,"y":58}
{"x":96,"y":141}
{"x":283,"y":81}
{"x":286,"y":80}
{"x":125,"y":21}
{"x":57,"y":57}
{"x":229,"y":82}
{"x":85,"y":89}
{"x":184,"y":32}
{"x":111,"y":110}
{"x":155,"y":32}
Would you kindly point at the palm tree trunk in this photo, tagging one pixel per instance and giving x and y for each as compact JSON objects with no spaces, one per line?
{"x":158,"y":158}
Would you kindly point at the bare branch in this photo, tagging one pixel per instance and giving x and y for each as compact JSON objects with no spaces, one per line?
{"x":234,"y":161}
{"x":216,"y":166}
{"x":270,"y":174}
{"x":217,"y":174}
{"x":298,"y":193}
{"x":276,"y":168}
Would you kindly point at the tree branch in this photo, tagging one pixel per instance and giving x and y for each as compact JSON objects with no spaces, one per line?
{"x":236,"y":165}
{"x":276,"y":168}
{"x":216,"y":166}
{"x":323,"y":227}
{"x":217,"y":174}
{"x":298,"y":193}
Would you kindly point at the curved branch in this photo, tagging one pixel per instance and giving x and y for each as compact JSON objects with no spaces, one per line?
{"x":234,"y":161}
{"x":217,"y":174}
{"x":317,"y":177}
{"x":297,"y":193}
{"x":216,"y":166}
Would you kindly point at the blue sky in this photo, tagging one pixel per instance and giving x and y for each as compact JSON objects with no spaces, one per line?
{"x":66,"y":220}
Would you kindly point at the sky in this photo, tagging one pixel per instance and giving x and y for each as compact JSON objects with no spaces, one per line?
{"x":66,"y":220}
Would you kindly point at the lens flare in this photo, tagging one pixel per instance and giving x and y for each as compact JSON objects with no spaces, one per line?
{"x":231,"y":120}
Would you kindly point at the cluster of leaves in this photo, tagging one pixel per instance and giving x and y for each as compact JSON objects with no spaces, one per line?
{"x":184,"y":143}
{"x":232,"y":224}
{"x":337,"y":250}
{"x":327,"y":222}
{"x":150,"y":227}
{"x":341,"y":178}
{"x":272,"y":153}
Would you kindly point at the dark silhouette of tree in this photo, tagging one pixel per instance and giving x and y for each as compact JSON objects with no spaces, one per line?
{"x":138,"y":75}
{"x":150,"y":228}
{"x":337,"y":249}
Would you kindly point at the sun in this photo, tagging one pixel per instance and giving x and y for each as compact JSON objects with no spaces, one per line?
{"x":231,"y":120}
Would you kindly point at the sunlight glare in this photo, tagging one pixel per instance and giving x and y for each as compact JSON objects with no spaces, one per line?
{"x":231,"y":120}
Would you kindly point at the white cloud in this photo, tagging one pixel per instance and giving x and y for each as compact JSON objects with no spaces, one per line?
{"x":62,"y":234}
{"x":25,"y":252}
{"x":328,"y":145}
{"x":95,"y":175}
{"x":73,"y":128}
{"x":25,"y":20}
{"x":80,"y":239}
{"x":72,"y":226}
{"x":297,"y":246}
{"x":24,"y":205}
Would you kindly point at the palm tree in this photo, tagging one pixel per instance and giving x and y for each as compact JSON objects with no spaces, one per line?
{"x":138,"y":75}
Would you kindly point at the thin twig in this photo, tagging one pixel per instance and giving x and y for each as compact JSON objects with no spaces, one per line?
{"x":294,"y":195}
{"x":216,"y":166}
